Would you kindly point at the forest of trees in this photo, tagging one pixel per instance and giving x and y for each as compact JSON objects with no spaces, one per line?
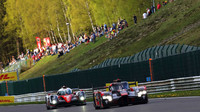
{"x":22,"y":20}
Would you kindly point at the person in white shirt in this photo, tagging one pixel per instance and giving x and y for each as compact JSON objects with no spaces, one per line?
{"x":144,"y":15}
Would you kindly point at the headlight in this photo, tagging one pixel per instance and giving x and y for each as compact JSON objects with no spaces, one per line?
{"x":109,"y":98}
{"x":139,"y":94}
{"x":142,"y":93}
{"x":54,"y":102}
{"x":82,"y":98}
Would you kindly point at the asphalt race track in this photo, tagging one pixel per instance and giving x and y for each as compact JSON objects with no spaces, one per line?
{"x":187,"y":104}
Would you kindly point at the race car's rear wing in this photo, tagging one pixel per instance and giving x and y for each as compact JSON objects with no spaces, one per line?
{"x":131,"y":84}
{"x":55,"y":91}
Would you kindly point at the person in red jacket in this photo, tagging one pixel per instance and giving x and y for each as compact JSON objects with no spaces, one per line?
{"x":158,"y":6}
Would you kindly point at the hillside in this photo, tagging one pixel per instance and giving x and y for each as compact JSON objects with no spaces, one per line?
{"x":178,"y":22}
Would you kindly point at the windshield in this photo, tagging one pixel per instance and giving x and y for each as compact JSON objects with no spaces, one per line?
{"x":68,"y":91}
{"x":61,"y":93}
{"x":64,"y":92}
{"x":116,"y":87}
{"x":125,"y":85}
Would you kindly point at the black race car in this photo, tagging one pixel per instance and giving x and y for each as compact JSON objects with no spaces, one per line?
{"x":119,"y":93}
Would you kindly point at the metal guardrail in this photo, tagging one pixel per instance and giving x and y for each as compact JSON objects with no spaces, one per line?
{"x":177,"y":84}
{"x":40,"y":96}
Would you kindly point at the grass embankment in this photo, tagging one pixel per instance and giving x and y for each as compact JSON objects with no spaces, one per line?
{"x":158,"y":95}
{"x":175,"y":94}
{"x":176,"y":23}
{"x":25,"y":103}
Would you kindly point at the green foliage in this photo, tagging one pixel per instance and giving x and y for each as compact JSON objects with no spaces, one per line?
{"x":22,"y":20}
{"x":7,"y":41}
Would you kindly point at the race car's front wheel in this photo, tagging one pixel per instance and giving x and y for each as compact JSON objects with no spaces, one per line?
{"x":145,"y":99}
{"x":48,"y":105}
{"x":101,"y":103}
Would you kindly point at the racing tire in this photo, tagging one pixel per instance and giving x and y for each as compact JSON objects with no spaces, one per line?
{"x":101,"y":103}
{"x":94,"y":104}
{"x":145,"y":101}
{"x":49,"y":107}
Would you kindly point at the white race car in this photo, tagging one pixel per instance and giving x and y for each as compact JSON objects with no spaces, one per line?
{"x":65,"y":96}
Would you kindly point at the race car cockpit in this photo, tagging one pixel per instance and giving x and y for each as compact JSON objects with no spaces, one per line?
{"x":115,"y":87}
{"x":67,"y":91}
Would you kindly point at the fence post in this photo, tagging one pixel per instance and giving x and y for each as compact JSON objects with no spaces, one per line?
{"x":151,"y":69}
{"x":7,"y":87}
{"x":44,"y":83}
{"x":17,"y":74}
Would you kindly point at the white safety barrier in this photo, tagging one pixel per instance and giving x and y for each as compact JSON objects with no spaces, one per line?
{"x":177,"y":84}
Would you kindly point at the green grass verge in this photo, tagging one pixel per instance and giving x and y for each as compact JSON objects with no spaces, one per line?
{"x":175,"y":94}
{"x":25,"y":103}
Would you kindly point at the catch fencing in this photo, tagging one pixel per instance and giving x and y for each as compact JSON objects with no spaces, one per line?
{"x":170,"y":85}
{"x":155,"y":52}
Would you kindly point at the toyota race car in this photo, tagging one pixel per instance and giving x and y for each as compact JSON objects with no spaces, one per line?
{"x":119,"y":93}
{"x":65,"y":97}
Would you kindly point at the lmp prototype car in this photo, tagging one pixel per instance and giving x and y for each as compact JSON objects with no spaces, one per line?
{"x":119,"y":93}
{"x":65,"y":97}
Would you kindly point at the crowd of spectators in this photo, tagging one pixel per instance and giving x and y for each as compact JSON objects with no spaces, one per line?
{"x":98,"y":31}
{"x":151,"y":10}
{"x":63,"y":48}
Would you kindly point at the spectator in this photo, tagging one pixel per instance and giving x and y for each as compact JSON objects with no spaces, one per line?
{"x":152,"y":9}
{"x":80,"y":39}
{"x":148,"y":12}
{"x":60,"y":50}
{"x":13,"y":60}
{"x":144,"y":15}
{"x":135,"y":19}
{"x":33,"y":58}
{"x":126,"y":23}
{"x":94,"y":37}
{"x":163,"y":3}
{"x":105,"y":28}
{"x":166,"y":2}
{"x":91,"y":37}
{"x":113,"y":26}
{"x":158,"y":5}
{"x":53,"y":49}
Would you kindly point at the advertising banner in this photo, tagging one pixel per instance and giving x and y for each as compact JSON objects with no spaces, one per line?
{"x":8,"y":76}
{"x":38,"y":40}
{"x":47,"y":42}
{"x":7,"y":99}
